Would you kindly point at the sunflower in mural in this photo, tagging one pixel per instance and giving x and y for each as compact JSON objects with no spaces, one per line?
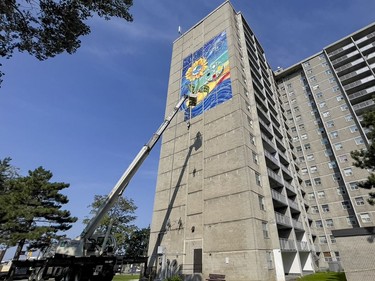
{"x":197,"y":69}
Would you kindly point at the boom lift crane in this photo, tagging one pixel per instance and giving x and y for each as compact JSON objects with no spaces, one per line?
{"x":91,"y":256}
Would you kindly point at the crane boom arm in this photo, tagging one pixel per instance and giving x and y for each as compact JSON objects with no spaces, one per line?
{"x":120,"y":186}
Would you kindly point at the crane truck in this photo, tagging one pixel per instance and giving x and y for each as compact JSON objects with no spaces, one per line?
{"x":91,"y":256}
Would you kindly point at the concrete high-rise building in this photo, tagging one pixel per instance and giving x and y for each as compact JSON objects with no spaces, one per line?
{"x":254,"y":178}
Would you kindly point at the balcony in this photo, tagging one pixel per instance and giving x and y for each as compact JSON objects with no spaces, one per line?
{"x":266,"y":129}
{"x":297,"y":224}
{"x":275,"y":177}
{"x":290,"y":187}
{"x":360,"y":107}
{"x":272,"y":158}
{"x":283,"y":220}
{"x":364,"y":94}
{"x":341,"y":60}
{"x":269,"y":145}
{"x":341,"y":50}
{"x":287,"y":245}
{"x":278,"y":196}
{"x":303,"y":246}
{"x":293,"y":204}
{"x":350,"y":66}
{"x":359,"y":84}
{"x":355,"y":75}
{"x":286,"y":172}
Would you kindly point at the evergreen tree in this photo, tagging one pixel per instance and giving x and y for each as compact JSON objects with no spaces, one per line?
{"x":31,"y":207}
{"x":365,"y":158}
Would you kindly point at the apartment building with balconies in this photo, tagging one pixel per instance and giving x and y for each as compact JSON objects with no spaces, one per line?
{"x":253,"y":179}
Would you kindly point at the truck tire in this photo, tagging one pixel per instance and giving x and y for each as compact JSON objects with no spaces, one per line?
{"x":39,"y":274}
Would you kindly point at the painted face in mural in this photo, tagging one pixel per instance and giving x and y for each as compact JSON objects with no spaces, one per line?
{"x":206,"y":74}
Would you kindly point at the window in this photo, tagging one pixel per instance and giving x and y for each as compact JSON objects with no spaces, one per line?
{"x":365,"y":217}
{"x":306,"y":64}
{"x":334,"y":134}
{"x":326,"y":114}
{"x":314,"y":209}
{"x":255,"y":158}
{"x":312,"y":79}
{"x":304,"y":137}
{"x":341,"y":190}
{"x":358,"y":141}
{"x":343,"y":158}
{"x":332,"y":164}
{"x":344,"y":107}
{"x":327,"y":256}
{"x":257,"y":179}
{"x":336,"y":177}
{"x":328,"y":152}
{"x":345,"y":205}
{"x":301,"y":127}
{"x":348,"y":172}
{"x":261,"y":203}
{"x":319,"y":95}
{"x":316,"y":87}
{"x":330,"y":124}
{"x":310,"y":157}
{"x":339,"y":98}
{"x":295,"y":138}
{"x":325,"y":208}
{"x":328,"y":72}
{"x":351,"y":220}
{"x":348,"y":118}
{"x":332,"y":80}
{"x":338,"y":146}
{"x":269,"y":259}
{"x":353,"y":129}
{"x":304,"y":171}
{"x":317,"y":181}
{"x":335,"y":89}
{"x":311,"y":196}
{"x":307,"y":146}
{"x":329,"y":222}
{"x":359,"y":201}
{"x":321,"y":131}
{"x":321,"y":194}
{"x":333,"y":240}
{"x":322,"y":104}
{"x":318,"y":224}
{"x":296,"y":109}
{"x":322,"y":58}
{"x":353,"y":185}
{"x":298,"y":117}
{"x":324,"y":141}
{"x":265,"y":230}
{"x":299,"y":148}
{"x":325,"y":64}
{"x":313,"y":169}
{"x":293,"y":129}
{"x":308,"y":183}
{"x":250,"y":121}
{"x":248,"y":106}
{"x":252,"y":139}
{"x":323,"y":239}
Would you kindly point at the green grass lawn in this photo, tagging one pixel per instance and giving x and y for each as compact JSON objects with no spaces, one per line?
{"x":125,"y":277}
{"x":325,"y":276}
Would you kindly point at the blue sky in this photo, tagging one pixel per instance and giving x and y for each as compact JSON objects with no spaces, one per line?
{"x":85,"y":116}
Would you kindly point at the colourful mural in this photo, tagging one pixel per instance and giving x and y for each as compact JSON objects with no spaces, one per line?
{"x":206,"y":74}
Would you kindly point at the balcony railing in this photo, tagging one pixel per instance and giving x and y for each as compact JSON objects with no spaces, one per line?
{"x":293,"y":204}
{"x":287,"y":244}
{"x":282,"y":219}
{"x":271,"y":157}
{"x":290,"y":187}
{"x":302,"y":246}
{"x":274,"y":176}
{"x":362,"y":93}
{"x":363,"y":105}
{"x":297,"y":224}
{"x":278,"y":196}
